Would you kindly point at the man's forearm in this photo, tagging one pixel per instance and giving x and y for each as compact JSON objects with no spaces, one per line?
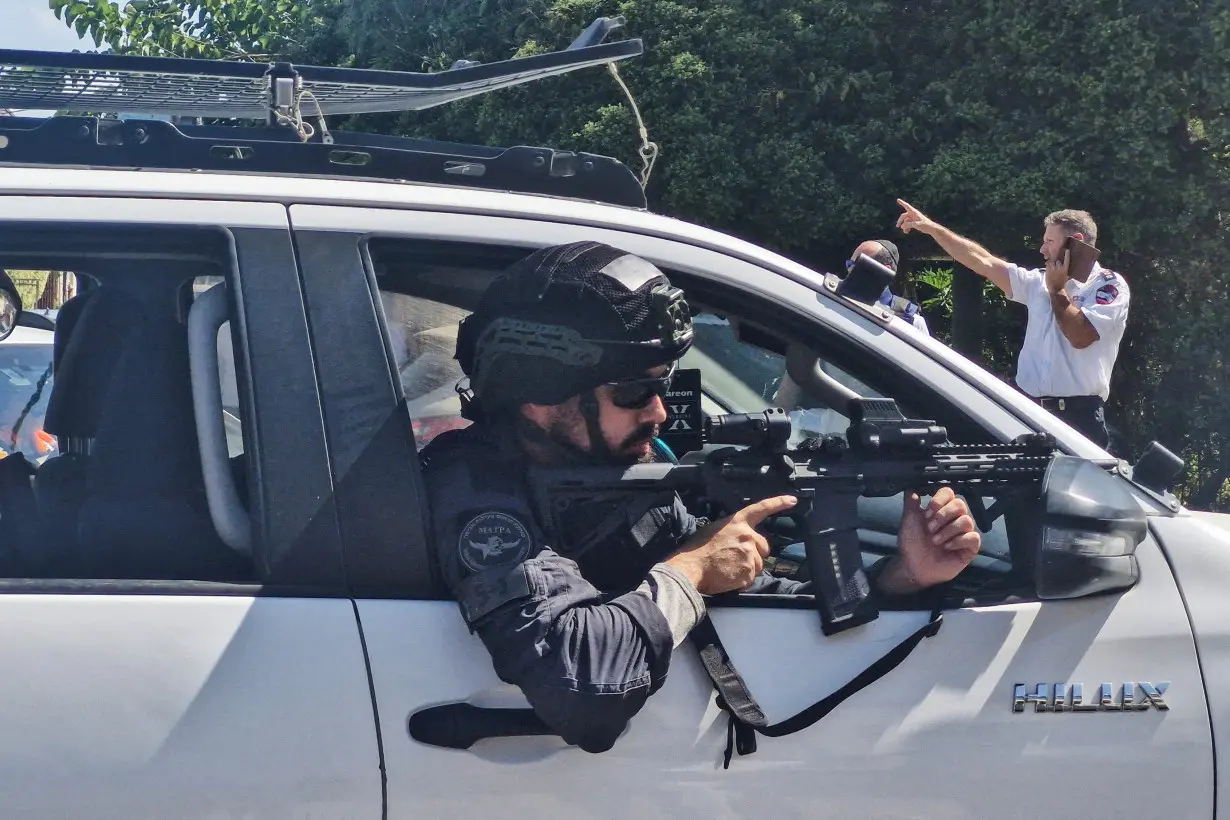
{"x":894,"y":579}
{"x":966,"y":252}
{"x":676,"y":595}
{"x":1075,"y":327}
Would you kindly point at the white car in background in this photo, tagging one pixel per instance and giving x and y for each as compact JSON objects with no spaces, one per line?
{"x":25,"y":388}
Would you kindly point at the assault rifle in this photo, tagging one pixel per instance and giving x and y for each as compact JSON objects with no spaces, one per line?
{"x":883,"y":454}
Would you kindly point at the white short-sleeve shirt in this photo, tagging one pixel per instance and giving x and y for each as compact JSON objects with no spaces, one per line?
{"x":1049,"y":366}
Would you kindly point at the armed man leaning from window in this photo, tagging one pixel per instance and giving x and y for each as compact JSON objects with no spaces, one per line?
{"x":886,"y":254}
{"x":1073,"y":328}
{"x":569,"y":353}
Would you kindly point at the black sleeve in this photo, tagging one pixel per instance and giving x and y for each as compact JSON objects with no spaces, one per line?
{"x":767,"y":584}
{"x":921,"y":599}
{"x":585,"y":662}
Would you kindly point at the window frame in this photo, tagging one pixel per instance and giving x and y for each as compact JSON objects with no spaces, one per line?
{"x":377,"y":483}
{"x":284,"y":466}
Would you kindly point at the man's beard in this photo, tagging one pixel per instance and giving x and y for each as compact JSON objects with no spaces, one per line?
{"x":642,"y":434}
{"x":598,"y":452}
{"x":563,"y":451}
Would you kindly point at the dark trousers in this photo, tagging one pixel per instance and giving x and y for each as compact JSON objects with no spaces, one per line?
{"x":1085,"y":413}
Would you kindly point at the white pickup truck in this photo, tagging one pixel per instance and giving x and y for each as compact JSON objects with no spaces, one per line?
{"x":221,"y":601}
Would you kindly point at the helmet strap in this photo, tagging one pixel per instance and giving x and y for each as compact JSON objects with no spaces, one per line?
{"x":598,"y":447}
{"x":560,"y":452}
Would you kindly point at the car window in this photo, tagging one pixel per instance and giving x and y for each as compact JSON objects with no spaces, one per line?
{"x":25,"y":387}
{"x":26,"y":376}
{"x":118,"y":489}
{"x":423,"y":336}
{"x":426,"y":288}
{"x":738,"y":377}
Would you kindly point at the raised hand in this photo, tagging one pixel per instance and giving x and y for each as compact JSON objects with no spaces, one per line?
{"x":913,"y":219}
{"x":935,"y":544}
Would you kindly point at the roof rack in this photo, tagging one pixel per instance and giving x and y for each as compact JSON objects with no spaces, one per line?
{"x":113,"y":83}
{"x":171,"y":90}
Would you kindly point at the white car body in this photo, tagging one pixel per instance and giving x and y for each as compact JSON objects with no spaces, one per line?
{"x":196,"y":702}
{"x":23,"y":335}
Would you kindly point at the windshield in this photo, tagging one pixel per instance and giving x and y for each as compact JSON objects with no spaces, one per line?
{"x":737,"y":377}
{"x":25,"y":386}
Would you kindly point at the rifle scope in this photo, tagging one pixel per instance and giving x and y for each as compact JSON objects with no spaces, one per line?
{"x":769,"y":429}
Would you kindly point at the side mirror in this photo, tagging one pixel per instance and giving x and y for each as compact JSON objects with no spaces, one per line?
{"x":1157,"y":468}
{"x":10,"y":310}
{"x":1091,"y":527}
{"x":866,"y":281}
{"x":35,"y":320}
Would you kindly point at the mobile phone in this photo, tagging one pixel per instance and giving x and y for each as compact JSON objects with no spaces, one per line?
{"x":1081,"y":256}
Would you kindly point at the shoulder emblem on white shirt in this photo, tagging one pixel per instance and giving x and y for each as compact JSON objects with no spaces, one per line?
{"x":1106,"y":294}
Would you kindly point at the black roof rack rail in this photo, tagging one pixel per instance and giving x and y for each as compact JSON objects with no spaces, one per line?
{"x":117,"y":84}
{"x":159,"y":145}
{"x":154,"y":95}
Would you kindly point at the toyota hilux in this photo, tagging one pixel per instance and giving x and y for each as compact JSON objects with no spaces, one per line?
{"x":222,"y":601}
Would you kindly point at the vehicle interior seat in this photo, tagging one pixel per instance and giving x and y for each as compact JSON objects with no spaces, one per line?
{"x":81,"y":372}
{"x":129,"y":494}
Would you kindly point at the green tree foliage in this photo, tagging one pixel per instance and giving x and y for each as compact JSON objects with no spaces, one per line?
{"x":212,"y":29}
{"x":797,"y":124}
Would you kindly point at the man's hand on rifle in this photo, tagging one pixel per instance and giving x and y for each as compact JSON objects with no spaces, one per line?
{"x":933,"y":545}
{"x":729,"y":554}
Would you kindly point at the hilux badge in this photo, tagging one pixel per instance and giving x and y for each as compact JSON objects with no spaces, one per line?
{"x":1070,"y":697}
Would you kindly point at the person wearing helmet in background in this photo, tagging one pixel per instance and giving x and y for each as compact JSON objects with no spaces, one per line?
{"x":568,"y":354}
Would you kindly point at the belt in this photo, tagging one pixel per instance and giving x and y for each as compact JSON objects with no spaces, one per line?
{"x":1064,"y":402}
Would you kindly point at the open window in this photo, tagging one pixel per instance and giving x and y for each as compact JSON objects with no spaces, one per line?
{"x":751,"y":356}
{"x":426,"y":289}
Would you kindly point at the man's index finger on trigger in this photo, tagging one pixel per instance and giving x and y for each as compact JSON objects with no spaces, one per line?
{"x":754,"y":514}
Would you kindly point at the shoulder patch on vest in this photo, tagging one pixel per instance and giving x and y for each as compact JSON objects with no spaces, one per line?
{"x":492,"y":538}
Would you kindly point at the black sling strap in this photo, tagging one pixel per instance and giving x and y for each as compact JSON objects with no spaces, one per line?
{"x":746,"y":716}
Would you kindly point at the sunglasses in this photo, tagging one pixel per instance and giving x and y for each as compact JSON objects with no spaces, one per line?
{"x":635,"y":394}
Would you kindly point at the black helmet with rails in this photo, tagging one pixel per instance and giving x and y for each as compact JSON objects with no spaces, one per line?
{"x":565,"y":320}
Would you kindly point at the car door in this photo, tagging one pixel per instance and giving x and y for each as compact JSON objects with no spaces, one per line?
{"x":153,"y":671}
{"x":937,"y":737}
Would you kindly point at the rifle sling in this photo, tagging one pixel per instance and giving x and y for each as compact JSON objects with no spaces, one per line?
{"x":746,"y":716}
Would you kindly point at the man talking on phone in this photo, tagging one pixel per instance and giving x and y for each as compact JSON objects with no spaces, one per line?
{"x":1077,"y":313}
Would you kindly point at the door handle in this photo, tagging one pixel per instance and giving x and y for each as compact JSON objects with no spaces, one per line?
{"x":461,"y":725}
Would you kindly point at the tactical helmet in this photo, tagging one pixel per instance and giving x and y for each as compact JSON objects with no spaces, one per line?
{"x":566,"y":319}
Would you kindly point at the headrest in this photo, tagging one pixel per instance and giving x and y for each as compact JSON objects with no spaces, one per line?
{"x":87,"y":346}
{"x":66,"y":320}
